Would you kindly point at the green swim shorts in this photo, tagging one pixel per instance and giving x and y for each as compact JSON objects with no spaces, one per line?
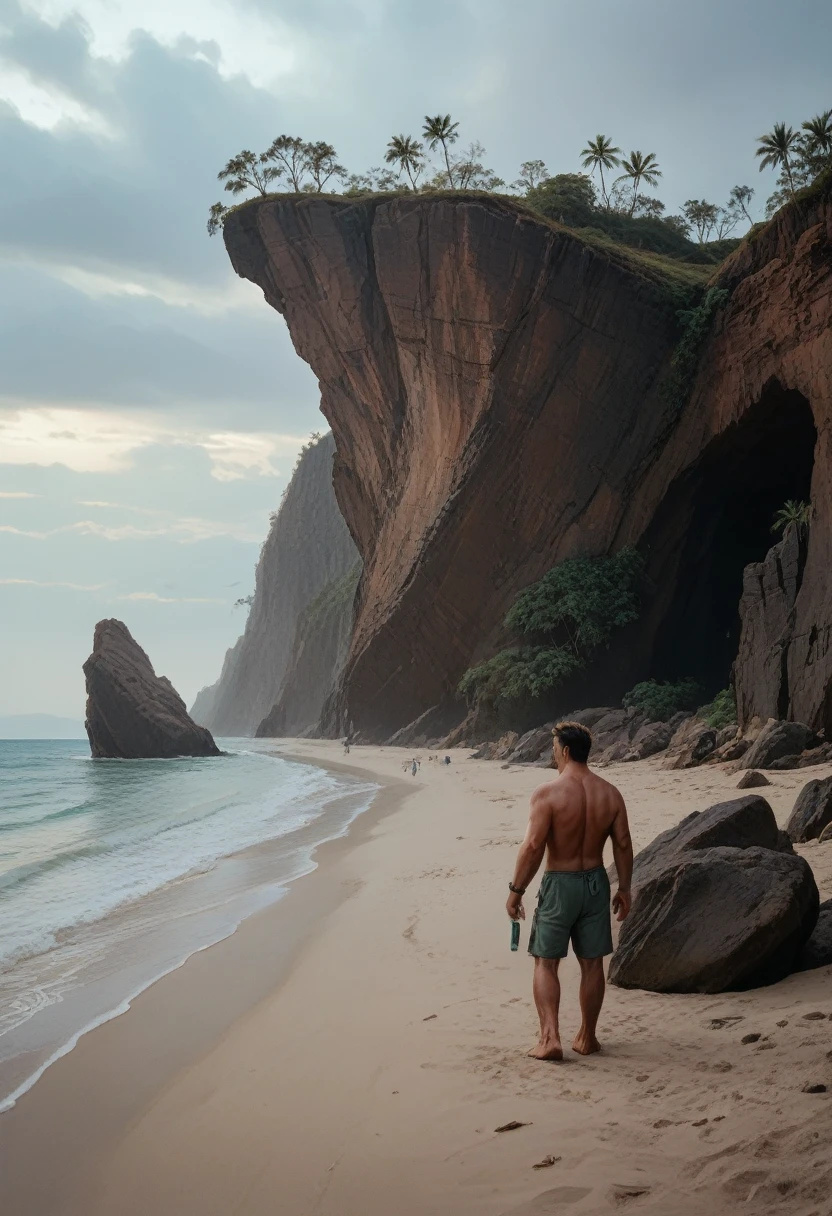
{"x":572,"y":904}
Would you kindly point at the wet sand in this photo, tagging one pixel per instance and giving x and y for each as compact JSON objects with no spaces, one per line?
{"x":351,"y":1051}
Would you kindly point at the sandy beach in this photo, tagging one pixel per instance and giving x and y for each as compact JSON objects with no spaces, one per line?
{"x":351,"y":1051}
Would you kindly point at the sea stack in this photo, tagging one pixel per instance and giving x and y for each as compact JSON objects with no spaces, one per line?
{"x":131,"y":712}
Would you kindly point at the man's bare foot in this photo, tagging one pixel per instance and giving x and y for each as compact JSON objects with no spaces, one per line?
{"x":585,"y":1044}
{"x":547,"y":1049}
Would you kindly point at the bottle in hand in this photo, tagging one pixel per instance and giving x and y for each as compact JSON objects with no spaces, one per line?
{"x":515,"y":934}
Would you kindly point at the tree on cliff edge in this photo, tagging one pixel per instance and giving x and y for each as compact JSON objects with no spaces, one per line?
{"x":640,"y":167}
{"x":776,"y":150}
{"x":600,"y":154}
{"x":406,"y":152}
{"x":440,"y":130}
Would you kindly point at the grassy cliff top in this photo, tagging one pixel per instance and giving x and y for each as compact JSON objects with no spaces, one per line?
{"x":679,"y":282}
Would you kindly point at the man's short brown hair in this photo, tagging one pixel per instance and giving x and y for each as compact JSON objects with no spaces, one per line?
{"x":576,"y":737}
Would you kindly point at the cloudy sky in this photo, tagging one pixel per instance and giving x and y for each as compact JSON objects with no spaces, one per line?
{"x":151,"y":405}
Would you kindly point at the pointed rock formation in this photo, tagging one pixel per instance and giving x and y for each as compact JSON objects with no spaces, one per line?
{"x":131,"y":712}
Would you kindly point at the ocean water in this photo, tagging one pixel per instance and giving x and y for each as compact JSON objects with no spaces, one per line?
{"x":113,"y":872}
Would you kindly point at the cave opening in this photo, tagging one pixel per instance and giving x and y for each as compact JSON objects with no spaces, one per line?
{"x":716,"y":519}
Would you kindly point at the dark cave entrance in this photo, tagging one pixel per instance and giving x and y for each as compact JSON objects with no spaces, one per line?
{"x":715,"y":519}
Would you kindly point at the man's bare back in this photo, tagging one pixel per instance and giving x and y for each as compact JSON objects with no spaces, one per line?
{"x":582,"y":811}
{"x":570,"y":820}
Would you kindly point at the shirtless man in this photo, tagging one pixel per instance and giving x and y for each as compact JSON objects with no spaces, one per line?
{"x":571,"y":819}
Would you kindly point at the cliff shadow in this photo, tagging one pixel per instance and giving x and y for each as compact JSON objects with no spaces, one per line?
{"x":715,"y":519}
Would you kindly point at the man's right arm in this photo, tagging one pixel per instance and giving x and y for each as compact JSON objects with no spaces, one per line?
{"x":622,"y":852}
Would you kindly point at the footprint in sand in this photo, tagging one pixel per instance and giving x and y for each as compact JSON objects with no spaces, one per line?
{"x":621,"y":1193}
{"x":550,"y":1201}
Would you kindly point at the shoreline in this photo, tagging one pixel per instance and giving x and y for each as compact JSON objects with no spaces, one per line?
{"x":391,"y":1104}
{"x":222,"y":905}
{"x":181,"y":995}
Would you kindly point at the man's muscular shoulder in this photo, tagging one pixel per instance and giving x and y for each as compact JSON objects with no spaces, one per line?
{"x":551,"y":794}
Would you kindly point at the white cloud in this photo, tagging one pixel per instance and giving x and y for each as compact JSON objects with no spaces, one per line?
{"x":233,"y":37}
{"x":187,"y":531}
{"x":103,"y":441}
{"x":234,"y":295}
{"x":34,"y":582}
{"x":153,"y":598}
{"x":88,"y":441}
{"x":234,"y":455}
{"x":17,"y":494}
{"x":47,"y":108}
{"x":12,"y":531}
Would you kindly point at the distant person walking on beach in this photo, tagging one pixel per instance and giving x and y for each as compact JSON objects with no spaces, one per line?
{"x":571,"y":819}
{"x":413,"y":769}
{"x":347,"y":746}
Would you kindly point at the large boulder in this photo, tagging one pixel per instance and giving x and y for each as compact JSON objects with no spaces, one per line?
{"x":653,"y":737}
{"x":613,"y":734}
{"x":692,"y":742}
{"x":131,"y":712}
{"x":818,"y":950}
{"x":811,"y":812}
{"x":717,"y":919}
{"x":741,"y":823}
{"x":720,"y":901}
{"x":776,"y":741}
{"x":532,"y":746}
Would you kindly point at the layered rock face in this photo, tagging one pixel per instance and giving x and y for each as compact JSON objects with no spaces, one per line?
{"x":767,"y":613}
{"x":491,"y":385}
{"x":307,"y":549}
{"x":131,"y":712}
{"x":494,"y":388}
{"x":322,"y":639}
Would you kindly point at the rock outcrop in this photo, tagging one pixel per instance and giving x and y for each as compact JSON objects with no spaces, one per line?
{"x":811,"y":812}
{"x":131,"y":712}
{"x":308,"y":549}
{"x":767,"y":612}
{"x":778,"y":741}
{"x":497,"y":389}
{"x":692,"y":742}
{"x":720,"y":902}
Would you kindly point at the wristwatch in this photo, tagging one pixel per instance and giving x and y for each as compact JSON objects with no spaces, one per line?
{"x":516,"y":890}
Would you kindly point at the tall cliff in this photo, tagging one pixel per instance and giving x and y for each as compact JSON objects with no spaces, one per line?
{"x":308,"y":547}
{"x":322,"y":639}
{"x":496,"y":387}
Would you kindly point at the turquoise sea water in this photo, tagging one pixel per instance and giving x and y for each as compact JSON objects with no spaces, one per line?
{"x":113,"y":872}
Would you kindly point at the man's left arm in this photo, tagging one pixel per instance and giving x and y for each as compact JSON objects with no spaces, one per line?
{"x":531,"y":853}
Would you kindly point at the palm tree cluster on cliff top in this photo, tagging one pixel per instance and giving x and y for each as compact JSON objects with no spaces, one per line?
{"x":298,"y":166}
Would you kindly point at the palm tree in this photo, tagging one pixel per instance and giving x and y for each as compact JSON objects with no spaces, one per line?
{"x":819,"y":133}
{"x":600,"y":154}
{"x":640,"y":167}
{"x":793,"y":512}
{"x":440,"y":130}
{"x":776,"y":148}
{"x":407,"y":154}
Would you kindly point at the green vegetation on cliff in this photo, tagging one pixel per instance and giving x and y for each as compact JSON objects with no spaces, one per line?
{"x":660,"y":699}
{"x":335,"y":596}
{"x":562,"y":619}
